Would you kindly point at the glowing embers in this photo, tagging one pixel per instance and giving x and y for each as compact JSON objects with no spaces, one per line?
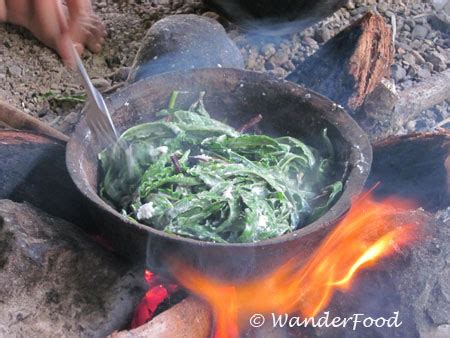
{"x":158,"y":292}
{"x":369,"y":232}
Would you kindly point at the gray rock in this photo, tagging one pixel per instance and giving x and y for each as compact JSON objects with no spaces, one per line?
{"x":323,"y":35}
{"x":57,"y":282}
{"x":269,"y":65}
{"x":289,"y":66}
{"x":120,"y":74}
{"x":14,"y":70}
{"x":419,"y":58}
{"x":310,"y":42}
{"x":440,"y":22}
{"x":439,"y":4}
{"x":279,"y":73}
{"x":268,"y":50}
{"x":420,"y":32}
{"x":101,"y":84}
{"x":429,"y":66}
{"x":438,"y":60}
{"x":398,"y":73}
{"x":424,"y":73}
{"x":279,"y":58}
{"x":183,"y":42}
{"x":409,"y":59}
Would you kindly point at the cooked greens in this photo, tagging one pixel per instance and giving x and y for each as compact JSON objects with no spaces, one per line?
{"x":191,"y":175}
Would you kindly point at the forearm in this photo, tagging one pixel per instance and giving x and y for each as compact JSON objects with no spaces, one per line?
{"x":16,"y":11}
{"x":2,"y":11}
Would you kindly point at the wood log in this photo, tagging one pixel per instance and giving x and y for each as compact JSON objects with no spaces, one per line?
{"x":17,"y":119}
{"x":351,"y":64}
{"x":415,"y":167}
{"x":33,"y":169}
{"x":190,"y":318}
{"x":56,"y":282}
{"x":386,"y":111}
{"x":422,"y":96}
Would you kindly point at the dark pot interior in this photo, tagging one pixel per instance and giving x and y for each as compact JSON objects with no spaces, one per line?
{"x":276,"y":16}
{"x":237,"y":96}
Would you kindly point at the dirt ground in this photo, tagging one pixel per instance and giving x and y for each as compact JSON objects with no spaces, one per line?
{"x":33,"y":78}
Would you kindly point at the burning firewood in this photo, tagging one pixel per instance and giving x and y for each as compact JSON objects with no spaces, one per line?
{"x":349,"y":66}
{"x":190,"y":318}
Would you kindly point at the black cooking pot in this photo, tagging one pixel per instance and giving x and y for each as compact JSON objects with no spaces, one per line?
{"x":276,"y":16}
{"x":236,"y":96}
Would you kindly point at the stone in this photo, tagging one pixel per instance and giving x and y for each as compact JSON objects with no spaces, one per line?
{"x":429,"y":66}
{"x":120,"y":74}
{"x":289,"y":66}
{"x":310,"y":42}
{"x":56,"y":282}
{"x":413,"y":71}
{"x":269,"y":65}
{"x":279,"y":73}
{"x":440,"y":22}
{"x":410,"y":59}
{"x":439,"y":4}
{"x":101,"y":84}
{"x":418,"y":58}
{"x":183,"y":42}
{"x":14,"y":70}
{"x":279,"y":58}
{"x":398,"y":73}
{"x":424,"y":73}
{"x":438,"y":60}
{"x":323,"y":35}
{"x":420,"y":32}
{"x":268,"y":50}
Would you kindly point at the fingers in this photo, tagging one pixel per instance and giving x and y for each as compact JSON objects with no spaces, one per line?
{"x":65,"y":50}
{"x":2,"y":11}
{"x":97,"y":35}
{"x":86,"y":27}
{"x":64,"y":42}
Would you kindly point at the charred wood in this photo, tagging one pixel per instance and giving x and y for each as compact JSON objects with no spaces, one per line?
{"x":350,"y":65}
{"x":33,"y":169}
{"x":190,"y":318}
{"x":425,"y":95}
{"x":414,"y":167}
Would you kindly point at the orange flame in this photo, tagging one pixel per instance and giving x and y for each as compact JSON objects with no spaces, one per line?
{"x":367,"y":234}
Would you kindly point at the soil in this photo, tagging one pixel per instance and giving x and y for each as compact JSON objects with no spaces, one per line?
{"x":33,"y":78}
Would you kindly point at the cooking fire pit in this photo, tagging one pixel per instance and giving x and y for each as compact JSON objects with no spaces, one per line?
{"x":234,"y":96}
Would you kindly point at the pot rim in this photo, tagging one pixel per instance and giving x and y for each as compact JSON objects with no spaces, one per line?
{"x":354,"y":135}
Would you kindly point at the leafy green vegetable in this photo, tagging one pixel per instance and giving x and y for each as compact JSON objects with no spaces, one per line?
{"x":190,"y":175}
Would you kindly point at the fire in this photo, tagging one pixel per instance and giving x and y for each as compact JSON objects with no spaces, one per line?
{"x":157,"y":292}
{"x":367,"y":234}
